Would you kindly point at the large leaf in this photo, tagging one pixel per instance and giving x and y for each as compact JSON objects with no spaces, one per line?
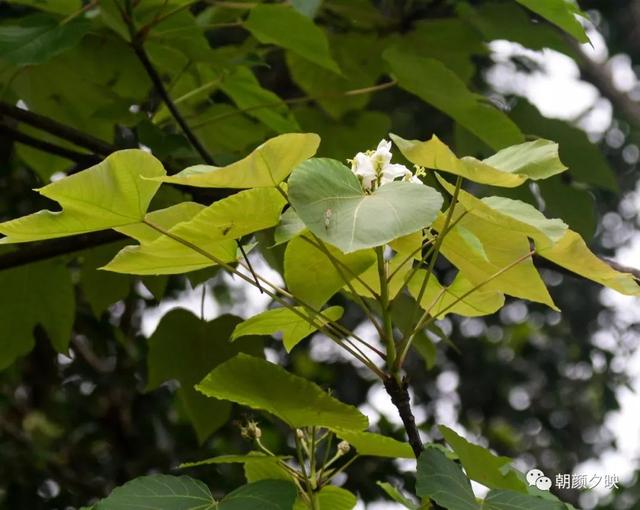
{"x":266,"y":166}
{"x":312,"y":276}
{"x":481,"y":249}
{"x":481,"y":465}
{"x":377,"y":445}
{"x":443,"y":481}
{"x":508,"y":168}
{"x":264,"y":494}
{"x":433,"y":82}
{"x":441,"y":300}
{"x":39,"y":293}
{"x":561,"y":13}
{"x":39,"y":38}
{"x":293,"y":327}
{"x":185,"y":348}
{"x":160,"y":492}
{"x":247,"y":93}
{"x":572,"y":253}
{"x":285,"y":27}
{"x":262,"y":385}
{"x":109,"y":194}
{"x":213,"y":230}
{"x":510,"y":500}
{"x":330,"y":201}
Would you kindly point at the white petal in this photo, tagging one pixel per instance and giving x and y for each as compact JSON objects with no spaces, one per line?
{"x":393,"y":171}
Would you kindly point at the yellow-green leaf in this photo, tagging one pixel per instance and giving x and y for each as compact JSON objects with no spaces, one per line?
{"x":214,"y":230}
{"x":110,"y":194}
{"x":267,"y":166}
{"x":293,"y":327}
{"x":572,"y":253}
{"x":507,"y":168}
{"x":376,"y":445}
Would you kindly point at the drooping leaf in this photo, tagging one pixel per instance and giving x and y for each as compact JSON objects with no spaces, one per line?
{"x":266,"y":166}
{"x":481,"y":465}
{"x":330,"y":201}
{"x":376,"y":445}
{"x":247,"y":93}
{"x":38,"y":293}
{"x":510,"y":500}
{"x":213,"y":231}
{"x":508,"y":168}
{"x":397,"y":496}
{"x":160,"y":492}
{"x":572,"y":253}
{"x":252,"y":457}
{"x":436,"y":84}
{"x":185,"y":348}
{"x":312,"y":276}
{"x":264,"y":494}
{"x":40,"y":37}
{"x":285,"y":27}
{"x":293,"y":327}
{"x":442,"y":480}
{"x":109,"y":194}
{"x":442,"y":300}
{"x":295,"y":400}
{"x":561,"y":13}
{"x":514,"y":215}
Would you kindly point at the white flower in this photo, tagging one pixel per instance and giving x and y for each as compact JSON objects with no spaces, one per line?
{"x":374,"y":168}
{"x":409,"y":177}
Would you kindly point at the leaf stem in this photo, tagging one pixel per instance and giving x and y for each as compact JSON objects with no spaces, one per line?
{"x":387,"y":337}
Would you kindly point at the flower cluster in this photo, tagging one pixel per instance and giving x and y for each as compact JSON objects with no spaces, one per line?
{"x":374,"y":168}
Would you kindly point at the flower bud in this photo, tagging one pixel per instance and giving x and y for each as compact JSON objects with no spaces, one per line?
{"x":343,"y":447}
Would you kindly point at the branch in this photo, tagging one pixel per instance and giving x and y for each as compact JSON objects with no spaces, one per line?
{"x":55,"y":128}
{"x":399,"y":393}
{"x":138,"y":48}
{"x":23,"y":138}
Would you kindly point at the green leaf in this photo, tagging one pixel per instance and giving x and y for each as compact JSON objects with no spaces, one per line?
{"x":329,"y":199}
{"x":585,"y":160}
{"x":285,"y":27}
{"x":312,"y":276}
{"x":160,"y":492}
{"x":264,"y":494}
{"x":439,"y":300}
{"x":185,"y":348}
{"x":101,"y":289}
{"x":572,"y":253}
{"x":247,"y":93}
{"x":266,"y":166}
{"x":331,"y":497}
{"x":109,"y":194}
{"x":290,"y":226}
{"x":293,"y":327}
{"x":214,"y":230}
{"x":252,"y":457}
{"x":397,"y":496}
{"x":436,"y":84}
{"x":39,"y":38}
{"x":38,"y":293}
{"x":510,"y":500}
{"x":64,"y":7}
{"x":295,"y":400}
{"x":443,"y":481}
{"x":561,"y":13}
{"x":481,"y":465}
{"x":508,"y":168}
{"x":376,"y":445}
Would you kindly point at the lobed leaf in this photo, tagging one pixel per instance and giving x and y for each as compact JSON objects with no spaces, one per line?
{"x":107,"y":195}
{"x":267,"y":166}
